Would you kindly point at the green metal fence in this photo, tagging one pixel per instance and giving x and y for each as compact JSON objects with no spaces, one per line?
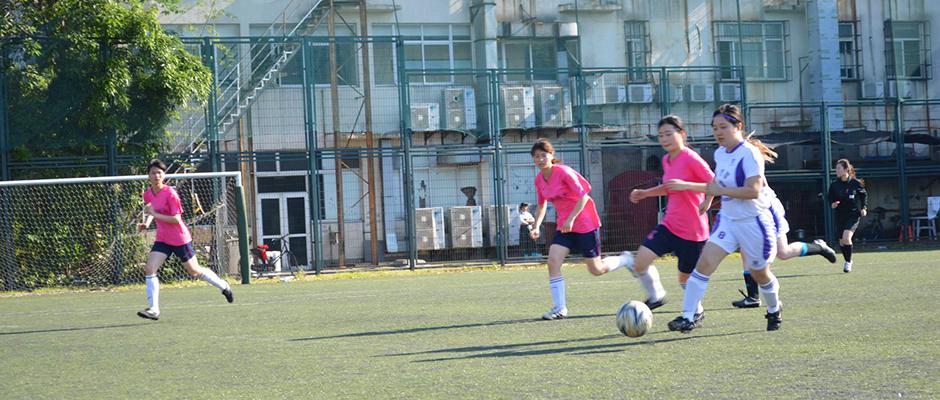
{"x":449,"y":149}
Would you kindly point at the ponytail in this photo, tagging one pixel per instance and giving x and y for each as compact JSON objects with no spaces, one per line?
{"x":769,"y":155}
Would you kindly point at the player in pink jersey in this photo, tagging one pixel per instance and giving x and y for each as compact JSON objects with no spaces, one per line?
{"x":684,"y":230}
{"x":577,"y":221}
{"x":162,"y":203}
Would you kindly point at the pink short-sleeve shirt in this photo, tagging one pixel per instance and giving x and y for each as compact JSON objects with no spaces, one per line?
{"x":167,"y":202}
{"x":682,"y":217}
{"x":564,"y":188}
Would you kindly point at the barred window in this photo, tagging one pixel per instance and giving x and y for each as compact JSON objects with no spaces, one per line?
{"x":850,"y":68}
{"x":637,"y":47}
{"x":763,"y":52}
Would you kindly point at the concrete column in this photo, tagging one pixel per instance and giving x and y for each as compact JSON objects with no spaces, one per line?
{"x":825,"y":82}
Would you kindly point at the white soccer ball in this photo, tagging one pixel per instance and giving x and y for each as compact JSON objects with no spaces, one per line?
{"x":634,"y":318}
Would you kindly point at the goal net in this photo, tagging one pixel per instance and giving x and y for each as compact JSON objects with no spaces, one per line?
{"x":83,"y":232}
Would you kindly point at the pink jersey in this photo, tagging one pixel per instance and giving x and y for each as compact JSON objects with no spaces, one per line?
{"x":682,"y":217}
{"x":564,"y":189}
{"x":167,"y":202}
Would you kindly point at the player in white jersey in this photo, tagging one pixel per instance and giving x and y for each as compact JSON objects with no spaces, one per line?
{"x":785,"y":251}
{"x":744,"y":222}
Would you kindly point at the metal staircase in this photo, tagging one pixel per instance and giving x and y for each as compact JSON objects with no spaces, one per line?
{"x":235,"y":92}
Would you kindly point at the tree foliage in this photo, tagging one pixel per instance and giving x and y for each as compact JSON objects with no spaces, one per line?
{"x":77,"y":71}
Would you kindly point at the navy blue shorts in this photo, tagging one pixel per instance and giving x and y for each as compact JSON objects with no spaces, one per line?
{"x":661,"y":241}
{"x":184,"y":252}
{"x":589,"y":244}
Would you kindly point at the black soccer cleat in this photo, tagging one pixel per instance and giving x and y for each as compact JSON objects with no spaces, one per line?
{"x":746,"y":302}
{"x":228,"y":295}
{"x":774,"y":320}
{"x":655,"y":304}
{"x":149,"y":314}
{"x":827,"y":251}
{"x":698,"y":318}
{"x":682,"y":325}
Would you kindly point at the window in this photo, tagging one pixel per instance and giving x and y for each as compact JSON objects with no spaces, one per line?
{"x":637,"y":49}
{"x":538,"y":55}
{"x":265,"y":56}
{"x":763,"y":52}
{"x":906,"y":50}
{"x":848,"y":52}
{"x":427,"y":46}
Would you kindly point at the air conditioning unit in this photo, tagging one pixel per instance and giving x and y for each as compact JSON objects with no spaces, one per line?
{"x":702,"y":93}
{"x":554,"y":106}
{"x":425,"y":117}
{"x":615,"y":94}
{"x":729,"y":91}
{"x":676,"y":93}
{"x":901,"y":89}
{"x":640,"y":93}
{"x":429,"y":228}
{"x":595,"y":92}
{"x":510,"y":224}
{"x":460,"y":109}
{"x":518,"y":107}
{"x":466,"y":227}
{"x":872,"y":90}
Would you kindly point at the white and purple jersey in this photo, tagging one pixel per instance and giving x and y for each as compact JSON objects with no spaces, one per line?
{"x":732,"y":168}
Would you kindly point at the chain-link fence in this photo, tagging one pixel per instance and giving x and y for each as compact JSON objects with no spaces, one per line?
{"x":380,"y":162}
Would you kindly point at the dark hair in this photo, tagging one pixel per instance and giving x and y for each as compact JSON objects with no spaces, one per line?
{"x":732,"y":113}
{"x":523,"y":204}
{"x":156,"y":163}
{"x":546,"y":146}
{"x":673,"y":120}
{"x":849,"y":168}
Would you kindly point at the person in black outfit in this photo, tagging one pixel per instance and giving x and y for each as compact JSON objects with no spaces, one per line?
{"x":848,"y":197}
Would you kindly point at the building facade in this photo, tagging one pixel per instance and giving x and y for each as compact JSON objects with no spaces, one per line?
{"x":593,"y":75}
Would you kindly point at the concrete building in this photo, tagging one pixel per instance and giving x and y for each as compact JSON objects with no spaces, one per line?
{"x":635,"y":60}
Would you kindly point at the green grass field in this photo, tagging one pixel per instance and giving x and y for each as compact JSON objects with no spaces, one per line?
{"x":873,"y":333}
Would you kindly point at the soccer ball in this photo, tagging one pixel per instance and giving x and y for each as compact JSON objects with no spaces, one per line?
{"x":634,"y":318}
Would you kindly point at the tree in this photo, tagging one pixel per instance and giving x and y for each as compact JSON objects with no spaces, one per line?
{"x":78,"y":71}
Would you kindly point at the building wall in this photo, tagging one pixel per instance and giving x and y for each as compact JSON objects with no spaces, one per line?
{"x":681,"y":33}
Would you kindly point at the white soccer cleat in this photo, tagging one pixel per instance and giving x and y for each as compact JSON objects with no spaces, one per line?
{"x":555,"y":313}
{"x":149,"y":314}
{"x":626,"y":260}
{"x":847,"y":267}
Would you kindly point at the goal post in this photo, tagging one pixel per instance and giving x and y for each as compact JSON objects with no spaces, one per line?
{"x":83,"y":231}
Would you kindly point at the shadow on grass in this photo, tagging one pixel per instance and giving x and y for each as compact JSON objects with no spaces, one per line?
{"x":87,"y":328}
{"x":520,"y":349}
{"x":438,"y":328}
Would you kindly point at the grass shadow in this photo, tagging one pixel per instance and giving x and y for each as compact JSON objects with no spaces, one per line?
{"x":573,"y":350}
{"x":438,"y":328}
{"x":72,"y":329}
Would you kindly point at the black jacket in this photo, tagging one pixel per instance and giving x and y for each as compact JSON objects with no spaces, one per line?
{"x":851,"y":196}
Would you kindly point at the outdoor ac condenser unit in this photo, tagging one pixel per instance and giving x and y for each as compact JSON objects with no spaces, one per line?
{"x":460,"y":109}
{"x":518,"y":107}
{"x":425,"y":117}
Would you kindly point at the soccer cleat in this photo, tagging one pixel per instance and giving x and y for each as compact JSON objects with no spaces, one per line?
{"x":774,"y":320}
{"x":149,"y":314}
{"x":228,"y":295}
{"x":746,"y":302}
{"x":655,"y":304}
{"x":698,"y":318}
{"x":555,"y":313}
{"x":827,"y":251}
{"x":847,"y":267}
{"x":682,"y":325}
